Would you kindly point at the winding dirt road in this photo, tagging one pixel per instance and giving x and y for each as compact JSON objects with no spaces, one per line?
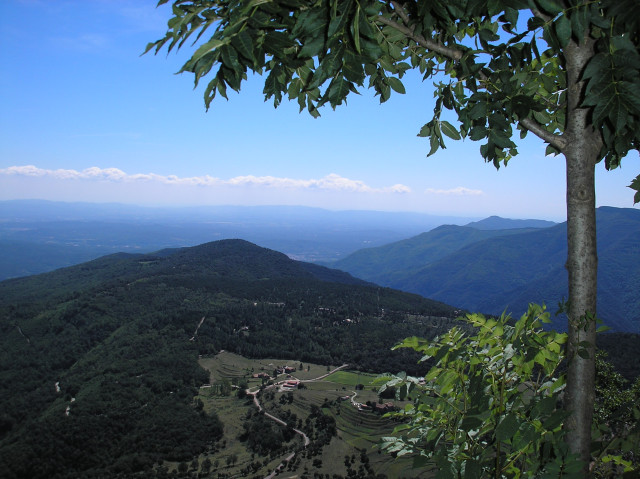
{"x":305,"y":438}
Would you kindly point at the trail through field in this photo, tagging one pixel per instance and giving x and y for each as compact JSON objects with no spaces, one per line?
{"x":305,"y":438}
{"x":324,"y":375}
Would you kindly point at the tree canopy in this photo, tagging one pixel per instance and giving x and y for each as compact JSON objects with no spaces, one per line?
{"x":567,"y":71}
{"x":503,"y":61}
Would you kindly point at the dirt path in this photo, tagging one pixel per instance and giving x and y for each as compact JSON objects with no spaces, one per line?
{"x":324,"y":375}
{"x":305,"y":438}
{"x":195,"y":333}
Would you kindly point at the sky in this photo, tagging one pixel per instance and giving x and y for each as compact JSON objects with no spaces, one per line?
{"x":85,"y":117}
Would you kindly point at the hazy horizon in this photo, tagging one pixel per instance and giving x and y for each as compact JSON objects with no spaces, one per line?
{"x":86,"y":118}
{"x":204,"y":207}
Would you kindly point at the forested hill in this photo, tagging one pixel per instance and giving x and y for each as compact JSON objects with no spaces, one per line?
{"x":383,"y":264}
{"x":225,"y":260}
{"x":494,"y":270}
{"x":99,"y":360}
{"x":498,"y":223}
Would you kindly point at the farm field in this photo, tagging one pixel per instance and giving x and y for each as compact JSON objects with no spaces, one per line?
{"x":352,"y":449}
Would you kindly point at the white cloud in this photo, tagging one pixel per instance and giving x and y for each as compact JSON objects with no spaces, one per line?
{"x":332,"y":181}
{"x":458,"y":191}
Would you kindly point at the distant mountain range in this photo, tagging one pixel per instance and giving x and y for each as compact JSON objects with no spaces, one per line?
{"x":38,"y":236}
{"x":481,"y":267}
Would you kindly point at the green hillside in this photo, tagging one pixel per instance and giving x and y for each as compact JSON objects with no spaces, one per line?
{"x":511,"y":268}
{"x":498,"y":223}
{"x":99,"y":361}
{"x":390,"y":263}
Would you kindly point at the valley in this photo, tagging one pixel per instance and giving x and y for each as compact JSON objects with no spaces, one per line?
{"x":142,"y":365}
{"x":40,"y":236}
{"x":497,"y":265}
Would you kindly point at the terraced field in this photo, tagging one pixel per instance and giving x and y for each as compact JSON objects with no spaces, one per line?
{"x":358,"y":432}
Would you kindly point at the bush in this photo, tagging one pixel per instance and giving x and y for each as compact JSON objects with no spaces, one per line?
{"x":488,"y":405}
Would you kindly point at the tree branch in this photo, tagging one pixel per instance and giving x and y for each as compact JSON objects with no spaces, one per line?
{"x":542,"y":16}
{"x":407,"y":30}
{"x":558,"y":141}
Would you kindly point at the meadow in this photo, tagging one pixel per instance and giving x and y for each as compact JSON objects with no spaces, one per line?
{"x":351,"y":450}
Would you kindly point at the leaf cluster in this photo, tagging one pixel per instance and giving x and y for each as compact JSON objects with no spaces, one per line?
{"x":500,"y":65}
{"x":616,"y":430}
{"x":488,"y":407}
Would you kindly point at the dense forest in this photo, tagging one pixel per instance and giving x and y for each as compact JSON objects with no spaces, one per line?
{"x":99,"y":361}
{"x":462,"y":265}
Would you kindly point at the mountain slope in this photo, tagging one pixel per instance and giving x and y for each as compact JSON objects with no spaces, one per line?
{"x":386,"y":264}
{"x":498,"y":223}
{"x":508,"y":271}
{"x":99,"y":361}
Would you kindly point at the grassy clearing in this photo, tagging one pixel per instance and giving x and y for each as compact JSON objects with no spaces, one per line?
{"x":358,"y":432}
{"x":351,"y":378}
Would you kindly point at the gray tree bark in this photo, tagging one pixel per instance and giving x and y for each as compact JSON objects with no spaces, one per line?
{"x":581,"y":154}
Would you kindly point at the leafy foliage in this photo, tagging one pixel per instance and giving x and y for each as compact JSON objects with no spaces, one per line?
{"x":616,"y":422}
{"x":504,"y":61}
{"x":488,"y":405}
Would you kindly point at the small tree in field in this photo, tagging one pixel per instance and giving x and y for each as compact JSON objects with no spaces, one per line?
{"x":566,"y":71}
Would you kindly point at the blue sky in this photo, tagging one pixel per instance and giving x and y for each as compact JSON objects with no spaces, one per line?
{"x":85,"y":118}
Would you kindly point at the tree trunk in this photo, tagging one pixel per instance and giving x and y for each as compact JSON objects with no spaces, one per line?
{"x":581,"y":155}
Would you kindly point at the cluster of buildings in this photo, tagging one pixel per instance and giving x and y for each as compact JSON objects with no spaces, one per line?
{"x":277,"y":370}
{"x":377,"y":407}
{"x":290,"y":384}
{"x":284,"y":370}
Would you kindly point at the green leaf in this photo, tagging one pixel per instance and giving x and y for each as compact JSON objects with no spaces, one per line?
{"x":206,"y":48}
{"x":551,"y":150}
{"x":583,"y":353}
{"x":312,"y":47}
{"x":507,"y":427}
{"x":580,"y":22}
{"x":563,"y":30}
{"x":396,"y":84}
{"x":488,"y":35}
{"x":631,"y":94}
{"x":471,"y":422}
{"x":555,"y":420}
{"x":425,"y":130}
{"x":230,"y":57}
{"x":472,"y":469}
{"x":355,"y":29}
{"x":478,"y":133}
{"x":338,"y":91}
{"x":449,"y":130}
{"x":550,"y":6}
{"x":478,"y":110}
{"x":244,"y":44}
{"x":500,"y":139}
{"x":435,"y":144}
{"x":310,"y":23}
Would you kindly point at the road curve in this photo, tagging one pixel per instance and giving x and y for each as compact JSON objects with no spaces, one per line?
{"x":305,"y":438}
